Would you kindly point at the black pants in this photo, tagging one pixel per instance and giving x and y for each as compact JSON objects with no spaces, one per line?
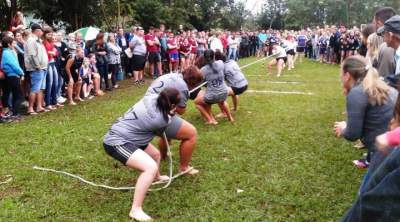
{"x":103,"y":71}
{"x":114,"y":68}
{"x":12,"y":86}
{"x":4,"y":91}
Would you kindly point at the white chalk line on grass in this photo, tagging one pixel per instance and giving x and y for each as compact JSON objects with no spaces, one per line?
{"x":281,"y":82}
{"x":266,"y":75}
{"x":9,"y":179}
{"x":281,"y":92}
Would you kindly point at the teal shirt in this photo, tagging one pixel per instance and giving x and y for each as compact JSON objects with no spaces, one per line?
{"x":10,"y":65}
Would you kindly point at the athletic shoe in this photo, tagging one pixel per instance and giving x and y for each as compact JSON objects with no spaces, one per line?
{"x":61,"y":100}
{"x":361,"y":163}
{"x":359,"y":145}
{"x":5,"y":120}
{"x":7,"y":114}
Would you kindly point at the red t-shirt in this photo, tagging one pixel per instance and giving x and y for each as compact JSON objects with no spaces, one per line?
{"x":174,"y":42}
{"x":224,"y":42}
{"x":50,"y":48}
{"x":185,"y":48}
{"x":153,"y":48}
{"x":193,"y":43}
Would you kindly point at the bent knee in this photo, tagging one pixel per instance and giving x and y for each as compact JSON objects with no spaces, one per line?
{"x":151,"y":168}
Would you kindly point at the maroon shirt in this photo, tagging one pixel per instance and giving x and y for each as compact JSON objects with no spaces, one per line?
{"x":153,"y":48}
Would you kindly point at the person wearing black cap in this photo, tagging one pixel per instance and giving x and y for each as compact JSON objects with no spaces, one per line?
{"x":391,"y":34}
{"x":385,"y":65}
{"x":36,"y":63}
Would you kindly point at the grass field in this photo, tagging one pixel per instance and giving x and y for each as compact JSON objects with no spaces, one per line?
{"x":280,"y":152}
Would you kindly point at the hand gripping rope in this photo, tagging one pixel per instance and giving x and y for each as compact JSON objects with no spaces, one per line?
{"x":167,"y":182}
{"x":171,"y":177}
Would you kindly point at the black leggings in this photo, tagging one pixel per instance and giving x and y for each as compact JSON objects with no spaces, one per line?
{"x":103,"y":71}
{"x":114,"y":68}
{"x":4,"y":91}
{"x":12,"y":86}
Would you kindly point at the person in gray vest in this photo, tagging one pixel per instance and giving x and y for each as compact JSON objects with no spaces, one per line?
{"x":216,"y":91}
{"x":36,"y":62}
{"x":128,"y":141}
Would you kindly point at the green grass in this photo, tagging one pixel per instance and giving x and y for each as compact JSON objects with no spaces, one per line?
{"x":280,"y":151}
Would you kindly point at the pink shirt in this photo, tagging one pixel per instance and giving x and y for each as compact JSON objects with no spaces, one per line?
{"x":393,"y":137}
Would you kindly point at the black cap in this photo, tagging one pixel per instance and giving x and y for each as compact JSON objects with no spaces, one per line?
{"x":36,"y":26}
{"x":391,"y":25}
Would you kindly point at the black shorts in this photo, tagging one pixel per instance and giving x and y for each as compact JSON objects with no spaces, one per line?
{"x":283,"y":58}
{"x":86,"y":80}
{"x":194,"y":94}
{"x":300,"y":49}
{"x":291,"y":52}
{"x":138,"y":62}
{"x":154,"y":57}
{"x":122,"y":152}
{"x":75,"y":77}
{"x":238,"y":91}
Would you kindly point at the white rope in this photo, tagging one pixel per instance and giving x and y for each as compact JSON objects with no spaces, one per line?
{"x":9,"y":179}
{"x":168,"y":182}
{"x":171,"y":178}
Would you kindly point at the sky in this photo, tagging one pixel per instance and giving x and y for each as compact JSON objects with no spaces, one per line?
{"x":254,"y":5}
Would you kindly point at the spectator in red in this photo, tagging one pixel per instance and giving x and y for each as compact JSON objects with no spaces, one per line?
{"x":172,"y":45}
{"x":185,"y":49}
{"x":193,"y":43}
{"x":153,"y":49}
{"x":17,"y":23}
{"x":52,"y":73}
{"x":224,"y":41}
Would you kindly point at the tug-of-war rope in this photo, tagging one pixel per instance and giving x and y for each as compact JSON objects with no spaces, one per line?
{"x":166,"y":182}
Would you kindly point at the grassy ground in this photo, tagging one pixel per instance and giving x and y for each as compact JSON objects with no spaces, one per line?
{"x":280,"y":152}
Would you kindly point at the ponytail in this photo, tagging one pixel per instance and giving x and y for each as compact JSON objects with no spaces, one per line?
{"x":376,"y":89}
{"x":192,"y":76}
{"x":209,"y":59}
{"x":165,"y":101}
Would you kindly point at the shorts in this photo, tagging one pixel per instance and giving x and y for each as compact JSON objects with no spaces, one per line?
{"x":283,"y":58}
{"x":213,"y":99}
{"x":194,"y":94}
{"x":300,"y":49}
{"x":86,"y":81}
{"x":183,"y":56}
{"x":154,"y":57}
{"x":37,"y":78}
{"x":291,"y":52}
{"x":75,"y":77}
{"x":322,"y":51}
{"x":238,"y":91}
{"x":173,"y":57}
{"x":138,"y":62}
{"x":121,"y":152}
{"x":173,"y":128}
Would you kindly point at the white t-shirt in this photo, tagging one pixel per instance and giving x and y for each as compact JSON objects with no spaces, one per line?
{"x":216,"y":44}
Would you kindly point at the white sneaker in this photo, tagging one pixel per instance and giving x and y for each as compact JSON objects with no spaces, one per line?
{"x":61,"y":100}
{"x":139,"y":215}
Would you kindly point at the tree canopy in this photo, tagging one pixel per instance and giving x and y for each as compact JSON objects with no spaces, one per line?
{"x":199,"y":14}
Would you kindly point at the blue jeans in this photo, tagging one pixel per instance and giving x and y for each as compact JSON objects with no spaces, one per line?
{"x":380,"y":197}
{"x":51,"y":84}
{"x":232,"y":53}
